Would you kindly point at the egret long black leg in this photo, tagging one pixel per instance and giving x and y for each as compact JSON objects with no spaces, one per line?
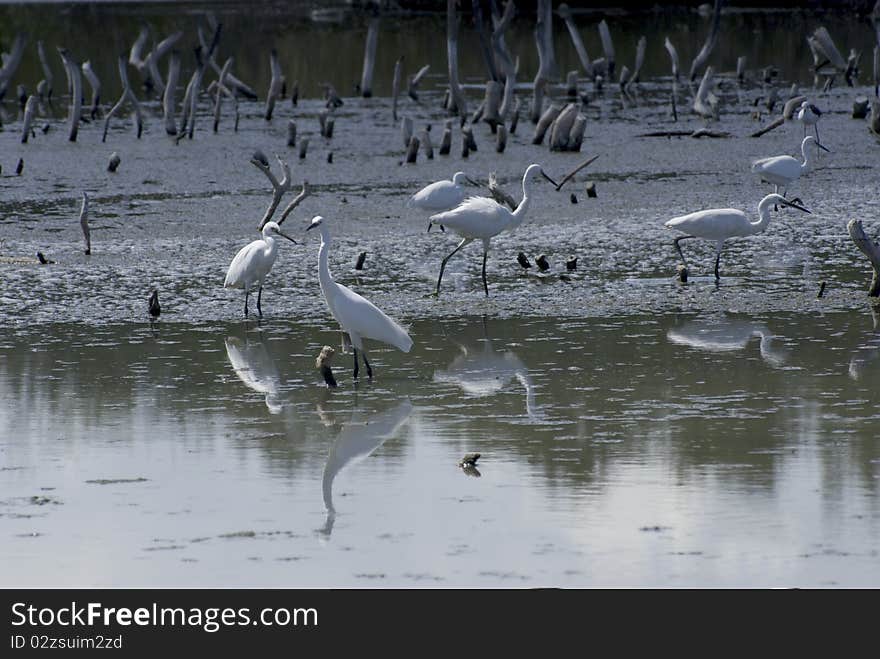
{"x":260,"y":297}
{"x":246,"y":293}
{"x":485,"y":284}
{"x":717,"y":261}
{"x":355,"y":363}
{"x":464,"y":241}
{"x":367,"y":364}
{"x":678,"y":248}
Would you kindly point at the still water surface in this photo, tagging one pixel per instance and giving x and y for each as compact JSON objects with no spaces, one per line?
{"x":633,"y":431}
{"x":630,"y":451}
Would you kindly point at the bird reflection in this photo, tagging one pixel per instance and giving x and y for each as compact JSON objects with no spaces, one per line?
{"x":255,"y":367}
{"x":482,"y":371}
{"x":868,"y":351}
{"x":724,"y":334}
{"x":359,"y":437}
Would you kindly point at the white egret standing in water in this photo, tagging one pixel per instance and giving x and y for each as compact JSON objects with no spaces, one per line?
{"x":719,"y":224}
{"x":253,"y":262}
{"x":358,"y":317}
{"x":782,"y":170}
{"x":483,"y":218}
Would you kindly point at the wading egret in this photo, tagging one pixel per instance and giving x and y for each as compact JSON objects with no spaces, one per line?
{"x":253,"y":262}
{"x":782,"y":170}
{"x":358,"y":317}
{"x":483,"y":218}
{"x":442,"y":195}
{"x":809,"y":115}
{"x":719,"y":224}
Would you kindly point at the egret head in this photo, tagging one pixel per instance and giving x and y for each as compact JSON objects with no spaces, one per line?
{"x":316,"y":222}
{"x":272,"y":228}
{"x":460,"y":178}
{"x":535,"y":169}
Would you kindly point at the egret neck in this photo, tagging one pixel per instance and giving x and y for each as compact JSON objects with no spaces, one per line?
{"x":764,"y":207}
{"x":324,"y":276}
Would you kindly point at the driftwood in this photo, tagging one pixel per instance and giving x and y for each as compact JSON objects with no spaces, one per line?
{"x":406,"y":130}
{"x":446,"y":139}
{"x":303,"y":148}
{"x":95,"y":84}
{"x":492,"y":104}
{"x":278,"y":187}
{"x":545,"y":122}
{"x":412,"y":151}
{"x":788,"y":111}
{"x":170,"y":90}
{"x":395,"y":86}
{"x":703,"y":56}
{"x":127,"y":95}
{"x":607,"y":47}
{"x":457,"y":103}
{"x":505,"y":60}
{"x":565,"y":13}
{"x":44,"y":87}
{"x":705,"y":102}
{"x":74,"y":81}
{"x":572,"y":173}
{"x":30,"y":108}
{"x":561,"y":127}
{"x":870,"y":249}
{"x":501,"y":139}
{"x":191,"y":95}
{"x":220,"y":90}
{"x":84,"y":222}
{"x":276,"y":83}
{"x":370,"y":58}
{"x":546,"y":56}
{"x":413,"y":86}
{"x":426,"y":143}
{"x":11,"y":62}
{"x":673,"y":57}
{"x":485,"y":48}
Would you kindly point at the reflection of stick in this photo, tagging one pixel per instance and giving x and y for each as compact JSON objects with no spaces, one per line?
{"x":370,"y":58}
{"x":395,"y":86}
{"x":168,"y":96}
{"x":84,"y":222}
{"x":870,"y":249}
{"x":711,"y":39}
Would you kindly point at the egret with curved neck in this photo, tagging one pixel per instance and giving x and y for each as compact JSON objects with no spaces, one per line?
{"x":253,"y":262}
{"x":484,"y":218}
{"x":442,"y":195}
{"x":357,"y":316}
{"x":782,"y":170}
{"x":719,"y":224}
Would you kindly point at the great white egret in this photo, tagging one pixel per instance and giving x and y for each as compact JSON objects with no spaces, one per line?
{"x":253,"y":262}
{"x":442,"y":195}
{"x":719,"y":224}
{"x":358,"y":317}
{"x":782,"y":170}
{"x":483,"y":218}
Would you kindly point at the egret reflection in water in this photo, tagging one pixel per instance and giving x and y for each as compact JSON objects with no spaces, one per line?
{"x":362,"y":434}
{"x":723,"y":334}
{"x":480,"y":371}
{"x":256,"y":368}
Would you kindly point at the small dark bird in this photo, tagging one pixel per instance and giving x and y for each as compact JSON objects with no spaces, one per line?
{"x":323,"y":364}
{"x":542,"y":263}
{"x":469,"y":459}
{"x":572,"y":263}
{"x":360,"y":261}
{"x":20,"y":167}
{"x":43,"y":259}
{"x":523,"y":260}
{"x":591,"y":190}
{"x":574,"y":198}
{"x":114,"y":162}
{"x":155,"y":309}
{"x":330,"y":157}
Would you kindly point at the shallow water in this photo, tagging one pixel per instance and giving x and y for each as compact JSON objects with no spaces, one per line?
{"x":634,"y":431}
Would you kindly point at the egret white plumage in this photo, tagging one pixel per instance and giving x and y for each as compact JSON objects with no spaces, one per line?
{"x":782,"y":170}
{"x":483,"y":218}
{"x":253,"y":262}
{"x":442,"y":195}
{"x":358,"y":317}
{"x":720,"y":224}
{"x":809,"y":115}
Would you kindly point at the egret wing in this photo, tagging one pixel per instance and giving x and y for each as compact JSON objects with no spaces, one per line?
{"x":357,"y":314}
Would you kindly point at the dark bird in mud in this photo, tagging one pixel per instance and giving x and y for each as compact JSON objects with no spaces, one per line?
{"x":523,"y":260}
{"x":155,"y":309}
